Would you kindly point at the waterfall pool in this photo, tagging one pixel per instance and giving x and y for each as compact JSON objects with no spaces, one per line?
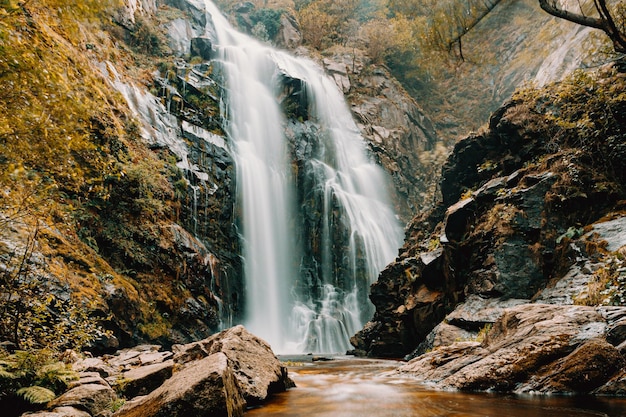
{"x":352,"y":387}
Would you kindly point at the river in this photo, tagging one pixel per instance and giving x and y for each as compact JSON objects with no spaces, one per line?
{"x":350,"y":387}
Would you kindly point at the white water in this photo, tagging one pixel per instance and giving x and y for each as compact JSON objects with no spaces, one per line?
{"x":351,"y":185}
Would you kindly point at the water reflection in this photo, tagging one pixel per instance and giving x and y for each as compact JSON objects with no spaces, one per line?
{"x":348,"y":387}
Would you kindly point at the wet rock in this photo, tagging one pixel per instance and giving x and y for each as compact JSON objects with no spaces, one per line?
{"x":582,"y":371}
{"x":205,"y":387}
{"x":202,"y":47}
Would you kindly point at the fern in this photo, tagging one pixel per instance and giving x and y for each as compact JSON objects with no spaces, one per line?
{"x":55,"y":375}
{"x":5,"y":374}
{"x":36,"y":394}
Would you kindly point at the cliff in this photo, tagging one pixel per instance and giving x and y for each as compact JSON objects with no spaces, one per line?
{"x":529,"y":235}
{"x":119,"y":186}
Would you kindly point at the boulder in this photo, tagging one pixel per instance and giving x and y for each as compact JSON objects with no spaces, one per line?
{"x":582,"y":371}
{"x":95,"y":365}
{"x":93,"y":398}
{"x":257,"y":370}
{"x":530,"y":348}
{"x":86,"y":378}
{"x":206,"y":387}
{"x":127,"y":358}
{"x":144,"y":379}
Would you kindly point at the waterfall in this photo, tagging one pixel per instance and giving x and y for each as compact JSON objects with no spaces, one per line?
{"x":309,"y":254}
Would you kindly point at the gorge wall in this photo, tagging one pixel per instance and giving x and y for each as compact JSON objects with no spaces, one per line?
{"x":144,"y":218}
{"x":187,"y":124}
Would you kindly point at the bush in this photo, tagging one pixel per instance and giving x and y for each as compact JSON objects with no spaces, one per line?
{"x":31,"y":317}
{"x":145,"y":38}
{"x":31,"y":378}
{"x":269,"y":19}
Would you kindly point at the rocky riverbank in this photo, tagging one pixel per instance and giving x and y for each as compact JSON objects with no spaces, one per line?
{"x":515,"y":282}
{"x":217,"y":376}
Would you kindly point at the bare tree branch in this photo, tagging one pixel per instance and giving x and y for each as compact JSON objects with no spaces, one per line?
{"x":604,"y":22}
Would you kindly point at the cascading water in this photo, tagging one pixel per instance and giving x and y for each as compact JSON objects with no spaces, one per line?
{"x":310,"y":254}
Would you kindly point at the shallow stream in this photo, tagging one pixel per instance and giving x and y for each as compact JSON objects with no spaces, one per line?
{"x":349,"y":387}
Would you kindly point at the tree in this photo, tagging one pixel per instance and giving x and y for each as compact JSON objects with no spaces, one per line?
{"x":451,"y":20}
{"x":611,"y":19}
{"x":315,"y":24}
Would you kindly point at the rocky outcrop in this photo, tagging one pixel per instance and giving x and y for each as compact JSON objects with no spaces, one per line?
{"x":527,"y":217}
{"x":218,"y":376}
{"x":530,"y":348}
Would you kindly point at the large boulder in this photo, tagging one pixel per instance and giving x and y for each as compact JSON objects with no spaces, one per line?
{"x":530,"y":348}
{"x":257,"y":370}
{"x":206,"y":387}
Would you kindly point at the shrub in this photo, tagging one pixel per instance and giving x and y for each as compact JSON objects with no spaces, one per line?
{"x":36,"y":377}
{"x":269,"y":19}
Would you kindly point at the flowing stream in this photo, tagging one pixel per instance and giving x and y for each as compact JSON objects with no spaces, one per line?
{"x":296,"y":300}
{"x":349,"y":387}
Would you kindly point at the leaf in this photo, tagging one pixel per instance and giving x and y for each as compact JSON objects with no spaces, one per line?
{"x":4,"y":374}
{"x":36,"y":394}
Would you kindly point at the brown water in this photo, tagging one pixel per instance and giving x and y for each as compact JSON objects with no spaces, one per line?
{"x":349,"y":387}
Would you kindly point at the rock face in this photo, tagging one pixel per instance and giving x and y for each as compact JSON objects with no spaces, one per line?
{"x":526,"y":217}
{"x":218,"y":376}
{"x":395,"y":127}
